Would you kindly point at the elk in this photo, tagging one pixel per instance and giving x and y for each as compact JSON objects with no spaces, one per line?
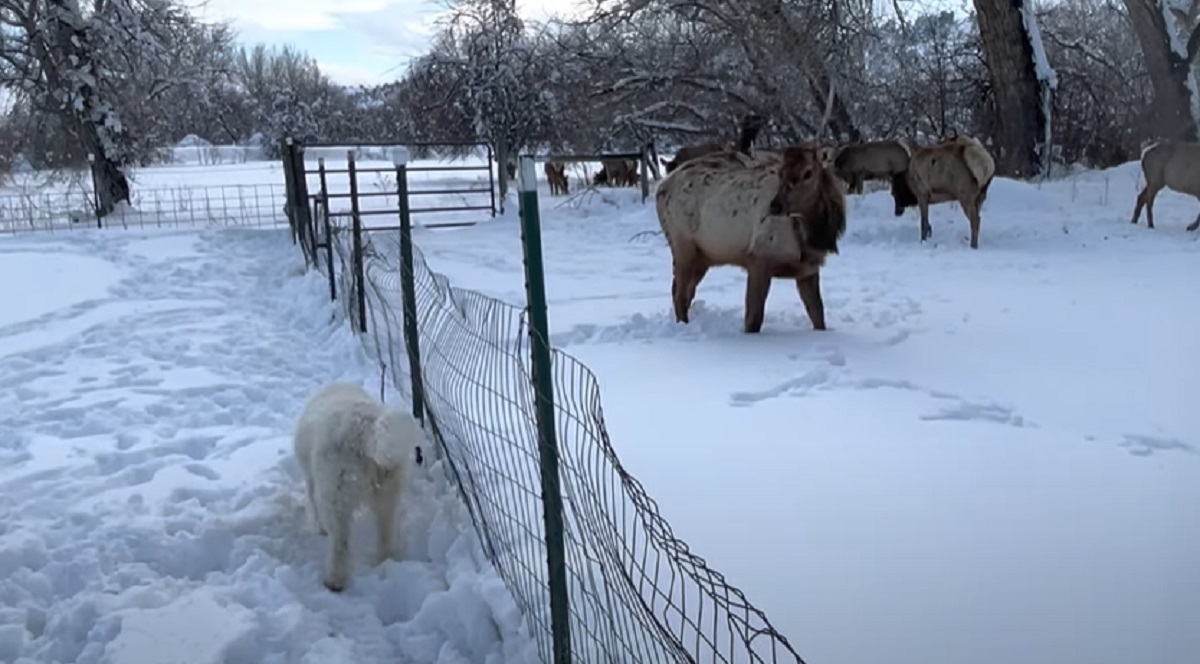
{"x":750,"y":126}
{"x":617,"y":173}
{"x":874,"y":160}
{"x":556,"y":175}
{"x":1171,"y":164}
{"x":775,"y":215}
{"x":956,"y":169}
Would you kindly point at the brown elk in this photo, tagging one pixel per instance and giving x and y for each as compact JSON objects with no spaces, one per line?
{"x":956,"y":169}
{"x":617,"y":173}
{"x":750,"y":127}
{"x":874,"y":160}
{"x":776,"y":216}
{"x":556,"y":175}
{"x":1171,"y":164}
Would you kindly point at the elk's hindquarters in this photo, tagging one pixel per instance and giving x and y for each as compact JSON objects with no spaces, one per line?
{"x":1173,"y":165}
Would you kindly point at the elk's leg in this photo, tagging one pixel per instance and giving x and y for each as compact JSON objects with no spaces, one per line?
{"x":926,"y":229}
{"x":681,"y":258}
{"x":972,"y":212}
{"x":690,"y":268}
{"x":758,"y":285}
{"x":696,"y":273}
{"x":1137,"y":207}
{"x":1145,"y":199}
{"x":810,"y":294}
{"x":676,"y":297}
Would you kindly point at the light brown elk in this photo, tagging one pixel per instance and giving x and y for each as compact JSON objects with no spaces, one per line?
{"x":556,"y":175}
{"x":750,"y":127}
{"x":874,"y":160}
{"x":1171,"y":164}
{"x":956,"y":169}
{"x":775,"y":215}
{"x":617,"y":173}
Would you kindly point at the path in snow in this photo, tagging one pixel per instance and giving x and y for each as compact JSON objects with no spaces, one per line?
{"x":150,"y":510}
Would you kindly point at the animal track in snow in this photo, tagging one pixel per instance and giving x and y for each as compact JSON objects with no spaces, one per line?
{"x":822,"y":378}
{"x":1142,"y":445}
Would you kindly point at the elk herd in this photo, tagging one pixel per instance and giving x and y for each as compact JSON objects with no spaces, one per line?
{"x":778,"y":213}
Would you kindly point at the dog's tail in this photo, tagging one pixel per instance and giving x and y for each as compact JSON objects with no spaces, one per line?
{"x":398,"y":439}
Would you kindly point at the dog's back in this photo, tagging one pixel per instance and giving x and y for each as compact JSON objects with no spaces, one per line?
{"x":344,"y":421}
{"x":351,"y":446}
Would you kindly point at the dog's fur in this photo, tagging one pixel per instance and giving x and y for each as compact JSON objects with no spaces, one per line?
{"x":353,"y":449}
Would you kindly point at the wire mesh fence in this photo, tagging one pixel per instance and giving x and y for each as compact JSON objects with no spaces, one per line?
{"x":637,"y":593}
{"x":65,"y":208}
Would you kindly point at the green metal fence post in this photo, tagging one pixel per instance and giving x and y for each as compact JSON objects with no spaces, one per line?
{"x":356,"y":254}
{"x":289,"y":174}
{"x":408,"y":289}
{"x":304,"y":225}
{"x":543,"y":385}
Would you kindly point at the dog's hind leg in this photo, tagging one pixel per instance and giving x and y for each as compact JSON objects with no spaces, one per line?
{"x":383,"y":504}
{"x":313,"y":514}
{"x":337,"y":513}
{"x":337,"y":573}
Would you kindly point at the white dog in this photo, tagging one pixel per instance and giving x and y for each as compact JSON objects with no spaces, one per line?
{"x":351,"y":448}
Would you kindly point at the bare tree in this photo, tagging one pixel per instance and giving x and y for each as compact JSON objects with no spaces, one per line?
{"x":1021,"y":84}
{"x":71,"y":64}
{"x":1168,"y":58}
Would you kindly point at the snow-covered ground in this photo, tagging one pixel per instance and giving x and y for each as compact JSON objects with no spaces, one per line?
{"x":150,"y":509}
{"x":990,"y":457}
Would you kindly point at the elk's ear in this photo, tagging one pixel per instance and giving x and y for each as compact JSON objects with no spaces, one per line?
{"x":826,"y":155}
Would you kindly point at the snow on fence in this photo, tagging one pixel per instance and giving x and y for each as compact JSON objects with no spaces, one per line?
{"x":636,"y":592}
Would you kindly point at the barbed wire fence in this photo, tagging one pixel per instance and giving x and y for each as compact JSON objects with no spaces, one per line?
{"x":636,"y":593}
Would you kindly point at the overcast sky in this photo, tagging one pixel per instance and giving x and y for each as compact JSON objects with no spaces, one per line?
{"x":355,"y":41}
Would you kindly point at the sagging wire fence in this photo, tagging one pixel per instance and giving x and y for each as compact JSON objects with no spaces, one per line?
{"x":619,"y":587}
{"x":65,"y":208}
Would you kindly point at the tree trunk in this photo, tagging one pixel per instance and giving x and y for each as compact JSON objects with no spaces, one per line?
{"x":112,"y":187}
{"x":840,"y":125}
{"x":90,"y":119}
{"x":1015,"y":87}
{"x":1171,"y":78}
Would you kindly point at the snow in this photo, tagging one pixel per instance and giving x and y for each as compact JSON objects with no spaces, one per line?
{"x":1045,"y":74}
{"x":1041,"y":63}
{"x":991,"y":456}
{"x":150,"y":509}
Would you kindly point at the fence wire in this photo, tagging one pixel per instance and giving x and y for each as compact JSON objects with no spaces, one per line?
{"x":638,"y":595}
{"x":72,"y":208}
